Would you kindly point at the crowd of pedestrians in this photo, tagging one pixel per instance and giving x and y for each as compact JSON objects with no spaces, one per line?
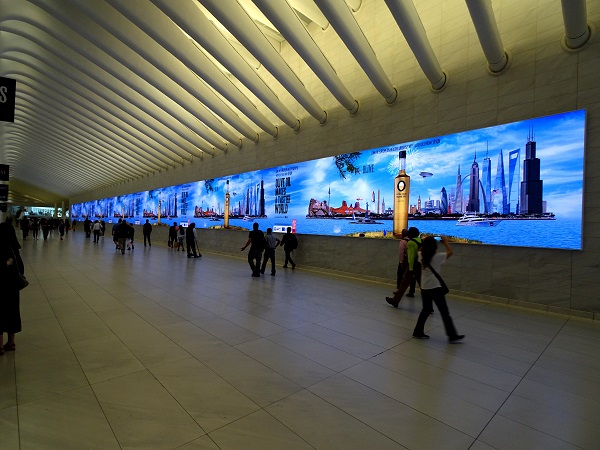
{"x":32,"y":225}
{"x":419,"y":262}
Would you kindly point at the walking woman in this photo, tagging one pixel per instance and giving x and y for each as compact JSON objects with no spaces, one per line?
{"x":433,"y":290}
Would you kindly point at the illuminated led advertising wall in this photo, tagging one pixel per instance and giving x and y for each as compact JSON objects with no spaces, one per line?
{"x":518,"y":184}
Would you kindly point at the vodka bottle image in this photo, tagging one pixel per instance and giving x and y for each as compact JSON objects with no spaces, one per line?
{"x":226,"y":214}
{"x":401,"y":197}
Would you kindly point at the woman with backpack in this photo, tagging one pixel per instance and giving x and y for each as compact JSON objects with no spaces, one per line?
{"x":433,"y":288}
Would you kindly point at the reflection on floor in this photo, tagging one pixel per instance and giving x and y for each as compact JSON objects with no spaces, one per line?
{"x":154,"y":350}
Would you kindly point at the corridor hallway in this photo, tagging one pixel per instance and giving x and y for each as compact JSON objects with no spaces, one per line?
{"x":154,"y":350}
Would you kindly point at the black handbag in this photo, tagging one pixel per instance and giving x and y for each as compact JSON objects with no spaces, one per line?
{"x":445,"y":289}
{"x":20,"y":280}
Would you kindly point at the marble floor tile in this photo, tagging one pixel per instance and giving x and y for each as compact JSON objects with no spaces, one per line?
{"x":551,"y":421}
{"x":84,"y":326}
{"x":258,"y":382}
{"x":118,"y":352}
{"x":581,"y":406}
{"x":506,"y":434}
{"x":258,"y":431}
{"x":103,"y":359}
{"x":253,"y":323}
{"x":69,"y":420}
{"x":8,"y":382}
{"x":340,"y":341}
{"x":210,"y":400}
{"x":401,"y":423}
{"x":443,"y":405}
{"x":320,"y":424}
{"x":192,"y":338}
{"x":143,"y":414}
{"x":288,"y":363}
{"x":461,"y":386}
{"x":9,"y":428}
{"x":41,"y":373}
{"x":319,"y":352}
{"x":566,"y":382}
{"x":455,"y":363}
{"x":225,"y":330}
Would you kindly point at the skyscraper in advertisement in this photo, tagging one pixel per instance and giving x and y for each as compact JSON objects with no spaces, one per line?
{"x":514,"y":183}
{"x":458,"y":200}
{"x":487,"y":184}
{"x":499,"y":200}
{"x":531,"y":186}
{"x":444,"y":201}
{"x":473,"y":204}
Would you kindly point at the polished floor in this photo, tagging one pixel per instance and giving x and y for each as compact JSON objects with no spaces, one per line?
{"x":154,"y":350}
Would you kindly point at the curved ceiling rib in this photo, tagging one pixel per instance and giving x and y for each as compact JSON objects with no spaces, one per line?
{"x":189,"y":17}
{"x":286,"y":21}
{"x":84,"y":114}
{"x":45,"y":173}
{"x":310,"y":11}
{"x":95,"y":128}
{"x":237,"y":21}
{"x":48,"y":160}
{"x":22,"y":193}
{"x":410,"y":24}
{"x":83,"y":164}
{"x":83,"y":117}
{"x":162,"y":29}
{"x":78,"y":134}
{"x":125,"y":93}
{"x":149,"y":60}
{"x":344,"y":23}
{"x":96,"y":95}
{"x":74,"y":102}
{"x":132,"y":73}
{"x":83,"y":138}
{"x":111,"y":91}
{"x":484,"y":20}
{"x":577,"y":31}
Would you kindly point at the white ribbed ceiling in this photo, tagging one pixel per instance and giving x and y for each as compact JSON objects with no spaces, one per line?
{"x":112,"y":90}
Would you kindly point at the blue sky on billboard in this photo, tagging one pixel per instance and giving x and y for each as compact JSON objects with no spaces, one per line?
{"x":365,"y":180}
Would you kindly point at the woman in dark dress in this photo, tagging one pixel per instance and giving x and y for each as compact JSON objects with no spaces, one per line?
{"x":10,"y":265}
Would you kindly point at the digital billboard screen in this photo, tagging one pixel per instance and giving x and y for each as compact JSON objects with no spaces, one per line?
{"x":517,"y":184}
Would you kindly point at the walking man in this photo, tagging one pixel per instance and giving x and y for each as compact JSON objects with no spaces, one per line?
{"x":146,"y":230}
{"x":256,"y":240}
{"x":190,"y":240}
{"x":289,"y":243}
{"x":271,"y":244}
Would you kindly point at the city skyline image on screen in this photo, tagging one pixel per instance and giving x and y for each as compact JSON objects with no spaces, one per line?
{"x":518,"y":184}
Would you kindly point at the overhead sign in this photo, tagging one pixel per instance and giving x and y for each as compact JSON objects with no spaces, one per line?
{"x":8,"y":89}
{"x":4,"y":168}
{"x":3,"y":192}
